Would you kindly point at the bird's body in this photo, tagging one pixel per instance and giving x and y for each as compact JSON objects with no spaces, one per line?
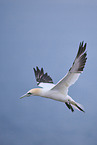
{"x":59,"y":91}
{"x":55,"y":95}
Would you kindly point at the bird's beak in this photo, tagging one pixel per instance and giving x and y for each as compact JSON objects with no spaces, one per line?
{"x":25,"y":95}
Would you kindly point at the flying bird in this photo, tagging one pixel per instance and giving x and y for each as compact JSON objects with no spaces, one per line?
{"x":59,"y":91}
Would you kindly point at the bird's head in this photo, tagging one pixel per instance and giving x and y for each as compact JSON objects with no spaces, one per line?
{"x":32,"y":92}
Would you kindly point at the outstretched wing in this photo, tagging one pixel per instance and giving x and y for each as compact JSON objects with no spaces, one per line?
{"x":42,"y":77}
{"x":74,"y":72}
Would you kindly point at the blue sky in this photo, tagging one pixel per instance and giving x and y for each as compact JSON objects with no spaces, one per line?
{"x":46,"y":34}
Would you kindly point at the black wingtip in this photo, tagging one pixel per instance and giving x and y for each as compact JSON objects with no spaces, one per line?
{"x":41,"y":76}
{"x":82,"y":48}
{"x":34,"y":69}
{"x":80,"y":59}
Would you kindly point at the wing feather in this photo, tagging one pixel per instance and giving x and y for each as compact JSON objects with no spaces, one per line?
{"x":74,"y":72}
{"x":42,"y":77}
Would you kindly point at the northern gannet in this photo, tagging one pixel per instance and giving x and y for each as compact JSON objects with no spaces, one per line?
{"x":59,"y":91}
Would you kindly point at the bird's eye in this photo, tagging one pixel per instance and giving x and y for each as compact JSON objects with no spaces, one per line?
{"x":29,"y":93}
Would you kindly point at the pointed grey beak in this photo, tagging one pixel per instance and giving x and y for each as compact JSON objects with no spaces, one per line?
{"x":25,"y":95}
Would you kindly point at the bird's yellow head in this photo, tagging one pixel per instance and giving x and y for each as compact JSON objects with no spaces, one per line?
{"x":32,"y":92}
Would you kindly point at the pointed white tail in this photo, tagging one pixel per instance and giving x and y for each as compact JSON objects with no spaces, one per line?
{"x":78,"y":106}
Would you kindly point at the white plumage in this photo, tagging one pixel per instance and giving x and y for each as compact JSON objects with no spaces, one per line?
{"x":59,"y":91}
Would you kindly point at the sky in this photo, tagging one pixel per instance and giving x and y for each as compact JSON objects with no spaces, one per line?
{"x":46,"y":34}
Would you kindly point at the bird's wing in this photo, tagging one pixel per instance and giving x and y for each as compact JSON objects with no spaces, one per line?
{"x":74,"y":72}
{"x":43,"y":79}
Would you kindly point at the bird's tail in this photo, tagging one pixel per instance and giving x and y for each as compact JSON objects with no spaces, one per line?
{"x":71,"y":103}
{"x":77,"y":106}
